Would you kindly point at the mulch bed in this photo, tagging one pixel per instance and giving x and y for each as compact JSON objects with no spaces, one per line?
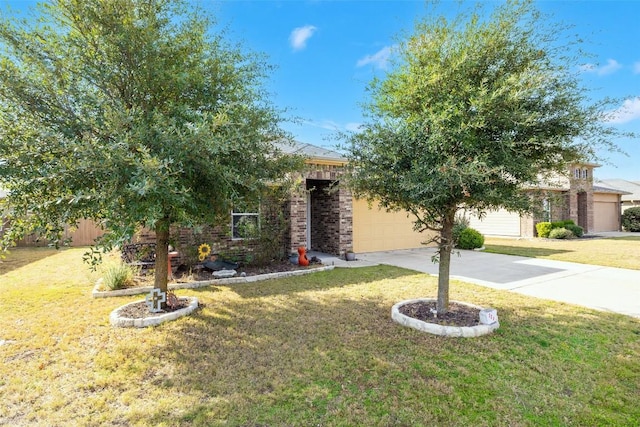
{"x":458,"y":314}
{"x":248,"y":270}
{"x":198,"y":274}
{"x":140,"y":310}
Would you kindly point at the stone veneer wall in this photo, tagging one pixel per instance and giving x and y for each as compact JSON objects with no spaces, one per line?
{"x":332,"y":212}
{"x":345,"y":200}
{"x":527,"y":226}
{"x":335,"y":235}
{"x":576,"y":187}
{"x":296,"y":215}
{"x":565,"y":205}
{"x":325,"y":217}
{"x":186,"y":240}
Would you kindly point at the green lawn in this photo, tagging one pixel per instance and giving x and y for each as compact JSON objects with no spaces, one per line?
{"x":621,"y":252}
{"x":312,"y":350}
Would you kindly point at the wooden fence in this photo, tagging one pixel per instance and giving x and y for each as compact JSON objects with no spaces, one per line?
{"x":84,"y":235}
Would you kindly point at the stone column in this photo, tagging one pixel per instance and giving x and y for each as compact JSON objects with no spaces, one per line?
{"x":345,"y":199}
{"x":298,"y":221}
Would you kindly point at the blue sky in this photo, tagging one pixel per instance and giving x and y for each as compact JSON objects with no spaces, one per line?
{"x":327,"y":51}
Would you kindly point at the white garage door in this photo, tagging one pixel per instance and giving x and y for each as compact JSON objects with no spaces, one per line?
{"x":497,"y":223}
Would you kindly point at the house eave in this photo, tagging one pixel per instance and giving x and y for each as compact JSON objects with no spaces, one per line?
{"x":325,"y":161}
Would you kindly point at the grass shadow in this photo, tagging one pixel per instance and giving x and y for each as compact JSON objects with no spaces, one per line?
{"x":334,"y":357}
{"x":19,"y":257}
{"x":628,"y":238}
{"x":526,"y":252}
{"x":309,"y":354}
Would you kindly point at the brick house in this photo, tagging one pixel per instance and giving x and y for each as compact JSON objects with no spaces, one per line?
{"x":631,"y":197}
{"x":319,"y":214}
{"x":595,"y":208}
{"x":323,"y":216}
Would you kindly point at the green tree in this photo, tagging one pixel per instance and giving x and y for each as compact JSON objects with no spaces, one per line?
{"x":132,"y":113}
{"x":473,"y":111}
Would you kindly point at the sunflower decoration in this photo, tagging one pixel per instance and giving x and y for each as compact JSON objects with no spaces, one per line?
{"x":203,"y":251}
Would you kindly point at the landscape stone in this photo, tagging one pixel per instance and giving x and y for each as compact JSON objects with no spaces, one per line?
{"x":224,"y":273}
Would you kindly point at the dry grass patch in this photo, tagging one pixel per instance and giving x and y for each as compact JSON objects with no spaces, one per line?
{"x":620,"y":252}
{"x":310,"y":350}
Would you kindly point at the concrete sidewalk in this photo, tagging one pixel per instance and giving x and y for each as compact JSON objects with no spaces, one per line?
{"x":602,"y":288}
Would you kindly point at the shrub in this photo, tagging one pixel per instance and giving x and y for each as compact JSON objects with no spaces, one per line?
{"x":470,"y":239}
{"x":575,"y":229}
{"x":118,"y":276}
{"x":461,"y":223}
{"x":268,"y":243}
{"x":543,"y":229}
{"x":631,"y":219}
{"x":561,"y":233}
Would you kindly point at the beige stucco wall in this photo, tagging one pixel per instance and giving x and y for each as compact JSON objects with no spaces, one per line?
{"x":375,"y":229}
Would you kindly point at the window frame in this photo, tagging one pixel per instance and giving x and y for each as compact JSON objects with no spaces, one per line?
{"x":546,"y":210}
{"x":240,"y":215}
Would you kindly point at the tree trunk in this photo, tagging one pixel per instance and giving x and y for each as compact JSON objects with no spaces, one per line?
{"x":162,"y":256}
{"x":444,"y":266}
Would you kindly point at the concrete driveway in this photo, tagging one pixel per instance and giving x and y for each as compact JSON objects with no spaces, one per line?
{"x":602,"y":288}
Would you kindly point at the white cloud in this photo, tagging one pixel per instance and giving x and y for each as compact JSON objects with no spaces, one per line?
{"x":629,"y":111}
{"x":611,"y":67}
{"x":300,"y":35}
{"x":325,"y":124}
{"x":636,"y":67}
{"x":333,"y":125}
{"x":378,"y":59}
{"x":353,"y":127}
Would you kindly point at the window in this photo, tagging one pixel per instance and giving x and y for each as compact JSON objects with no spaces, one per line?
{"x":585,"y":173}
{"x":245,"y":220}
{"x":546,"y":210}
{"x":576,"y":173}
{"x":244,"y":225}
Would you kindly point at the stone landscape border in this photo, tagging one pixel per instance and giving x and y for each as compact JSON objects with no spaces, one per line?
{"x":126,"y":322}
{"x":96,"y":293}
{"x":433,"y":328}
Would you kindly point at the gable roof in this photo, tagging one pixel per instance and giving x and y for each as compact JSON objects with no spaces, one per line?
{"x":311,"y":152}
{"x":630,"y":190}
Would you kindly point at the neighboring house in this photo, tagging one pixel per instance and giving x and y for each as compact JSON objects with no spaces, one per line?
{"x":631,"y":198}
{"x":595,"y":208}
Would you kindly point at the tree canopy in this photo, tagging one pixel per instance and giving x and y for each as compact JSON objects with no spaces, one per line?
{"x":474,"y":111}
{"x":132,"y":113}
